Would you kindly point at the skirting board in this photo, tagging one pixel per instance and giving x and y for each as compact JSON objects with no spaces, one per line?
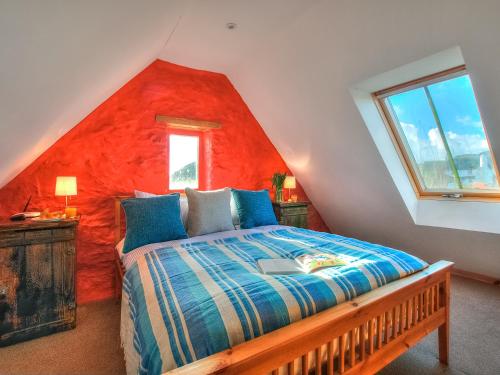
{"x":475,"y":276}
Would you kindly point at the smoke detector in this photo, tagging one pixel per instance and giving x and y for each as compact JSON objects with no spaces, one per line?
{"x":231,"y":25}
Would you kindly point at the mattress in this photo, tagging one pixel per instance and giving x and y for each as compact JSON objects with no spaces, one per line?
{"x":188,"y":299}
{"x":130,"y":258}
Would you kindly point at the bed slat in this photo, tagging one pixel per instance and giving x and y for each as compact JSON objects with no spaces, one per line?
{"x":362,"y":342}
{"x":330,"y":354}
{"x":371,"y":337}
{"x":305,"y":364}
{"x":342,"y":348}
{"x":352,"y":348}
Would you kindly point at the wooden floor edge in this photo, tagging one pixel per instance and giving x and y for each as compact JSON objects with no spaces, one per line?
{"x":475,"y":276}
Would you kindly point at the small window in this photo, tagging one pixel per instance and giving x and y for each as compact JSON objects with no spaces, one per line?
{"x":436,"y":125}
{"x":183,"y":162}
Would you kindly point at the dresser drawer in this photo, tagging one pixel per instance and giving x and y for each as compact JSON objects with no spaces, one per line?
{"x":11,"y":238}
{"x":38,"y":235}
{"x":49,"y":235}
{"x":63,"y":233}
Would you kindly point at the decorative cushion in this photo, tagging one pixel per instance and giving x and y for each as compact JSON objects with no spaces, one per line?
{"x":209,"y":211}
{"x":183,"y":201}
{"x":152,"y":220}
{"x":254,"y":208}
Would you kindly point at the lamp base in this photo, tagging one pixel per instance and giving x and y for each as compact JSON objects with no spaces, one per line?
{"x":70,"y":212}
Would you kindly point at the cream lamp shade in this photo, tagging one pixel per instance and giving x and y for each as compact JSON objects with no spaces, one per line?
{"x":65,"y":186}
{"x":289,"y":182}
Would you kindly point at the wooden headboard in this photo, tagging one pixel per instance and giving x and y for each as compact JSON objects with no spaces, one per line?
{"x":118,"y":216}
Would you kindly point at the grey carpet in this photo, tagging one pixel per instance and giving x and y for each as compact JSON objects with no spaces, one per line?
{"x":93,"y":347}
{"x":475,"y":336}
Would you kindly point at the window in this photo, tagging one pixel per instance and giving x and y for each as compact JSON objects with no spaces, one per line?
{"x":437,"y":128}
{"x":183,"y":162}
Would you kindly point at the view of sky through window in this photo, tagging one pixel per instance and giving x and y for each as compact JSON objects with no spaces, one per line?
{"x":441,"y":129}
{"x":183,"y":162}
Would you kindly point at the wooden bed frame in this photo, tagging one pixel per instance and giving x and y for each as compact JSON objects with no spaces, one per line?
{"x":360,"y":336}
{"x":118,"y":235}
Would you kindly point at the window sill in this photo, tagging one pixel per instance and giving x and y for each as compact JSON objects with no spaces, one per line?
{"x":462,"y":199}
{"x":480,"y":216}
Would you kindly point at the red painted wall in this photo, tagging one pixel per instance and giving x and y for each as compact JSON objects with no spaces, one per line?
{"x":119,"y":147}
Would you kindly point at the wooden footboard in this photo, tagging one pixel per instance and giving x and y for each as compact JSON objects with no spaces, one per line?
{"x":357,"y":337}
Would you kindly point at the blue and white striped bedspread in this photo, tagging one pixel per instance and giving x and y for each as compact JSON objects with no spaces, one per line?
{"x":190,"y":301}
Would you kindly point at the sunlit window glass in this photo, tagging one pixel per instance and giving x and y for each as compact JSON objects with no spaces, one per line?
{"x":442,"y":133}
{"x":183,"y":162}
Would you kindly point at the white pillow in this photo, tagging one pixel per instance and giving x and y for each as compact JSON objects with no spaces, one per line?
{"x":209,"y":211}
{"x":183,"y":203}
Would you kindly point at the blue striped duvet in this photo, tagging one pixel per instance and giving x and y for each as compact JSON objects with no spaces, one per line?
{"x":196,"y":299}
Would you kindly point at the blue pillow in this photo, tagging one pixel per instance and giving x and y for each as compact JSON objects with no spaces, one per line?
{"x":152,"y":220}
{"x":254,"y":208}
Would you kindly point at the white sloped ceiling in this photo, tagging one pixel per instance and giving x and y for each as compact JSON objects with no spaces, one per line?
{"x":61,"y":59}
{"x":297,"y":81}
{"x":293,"y":63}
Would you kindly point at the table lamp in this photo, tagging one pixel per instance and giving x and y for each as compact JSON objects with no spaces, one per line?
{"x":66,"y":187}
{"x":289,"y":184}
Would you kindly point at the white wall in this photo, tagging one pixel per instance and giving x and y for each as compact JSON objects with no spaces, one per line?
{"x":297,"y":87}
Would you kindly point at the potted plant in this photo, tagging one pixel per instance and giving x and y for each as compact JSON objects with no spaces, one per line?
{"x":278,"y":181}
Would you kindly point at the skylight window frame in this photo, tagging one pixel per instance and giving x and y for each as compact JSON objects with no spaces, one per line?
{"x":403,"y":150}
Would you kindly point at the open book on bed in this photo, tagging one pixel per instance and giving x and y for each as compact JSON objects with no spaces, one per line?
{"x":279,"y":266}
{"x":308,"y":263}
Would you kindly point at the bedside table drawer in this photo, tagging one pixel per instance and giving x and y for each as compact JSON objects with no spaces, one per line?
{"x":294,"y":210}
{"x":299,"y":221}
{"x":293,"y":214}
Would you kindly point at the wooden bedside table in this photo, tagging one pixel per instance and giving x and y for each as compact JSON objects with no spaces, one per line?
{"x":37,"y":279}
{"x":293,"y":214}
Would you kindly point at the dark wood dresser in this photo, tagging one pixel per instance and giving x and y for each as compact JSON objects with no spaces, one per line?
{"x":293,"y":214}
{"x":37,"y":279}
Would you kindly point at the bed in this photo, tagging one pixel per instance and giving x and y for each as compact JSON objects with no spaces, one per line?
{"x":201,"y":306}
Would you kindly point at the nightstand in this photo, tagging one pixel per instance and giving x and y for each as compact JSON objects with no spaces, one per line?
{"x":293,"y":214}
{"x":37,"y":279}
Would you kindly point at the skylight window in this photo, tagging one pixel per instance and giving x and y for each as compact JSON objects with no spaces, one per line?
{"x":437,"y":128}
{"x":183,"y":162}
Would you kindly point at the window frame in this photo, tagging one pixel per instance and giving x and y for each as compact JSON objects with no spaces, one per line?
{"x":399,"y":144}
{"x":201,"y":150}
